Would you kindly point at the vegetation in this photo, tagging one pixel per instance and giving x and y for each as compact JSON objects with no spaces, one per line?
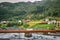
{"x":43,"y":26}
{"x":29,"y":11}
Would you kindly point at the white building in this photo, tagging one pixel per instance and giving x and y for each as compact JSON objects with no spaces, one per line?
{"x":52,"y":21}
{"x":19,"y":21}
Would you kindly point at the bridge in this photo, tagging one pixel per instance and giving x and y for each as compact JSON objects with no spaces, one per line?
{"x":28,"y":31}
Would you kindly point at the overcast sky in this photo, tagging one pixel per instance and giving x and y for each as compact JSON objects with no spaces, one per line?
{"x":18,"y":0}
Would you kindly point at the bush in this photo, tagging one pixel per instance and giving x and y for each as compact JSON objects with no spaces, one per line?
{"x":25,"y":25}
{"x":3,"y":26}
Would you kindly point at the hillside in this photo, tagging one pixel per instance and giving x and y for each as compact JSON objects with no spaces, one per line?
{"x":29,"y":10}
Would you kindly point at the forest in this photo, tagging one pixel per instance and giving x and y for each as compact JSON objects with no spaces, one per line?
{"x":29,"y":10}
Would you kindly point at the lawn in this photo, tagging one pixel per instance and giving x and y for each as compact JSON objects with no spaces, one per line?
{"x":36,"y":25}
{"x":43,"y":26}
{"x":32,"y":23}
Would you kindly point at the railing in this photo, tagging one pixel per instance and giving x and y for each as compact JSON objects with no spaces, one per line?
{"x":28,"y":31}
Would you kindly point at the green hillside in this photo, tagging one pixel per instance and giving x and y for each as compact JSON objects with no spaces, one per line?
{"x":28,"y":10}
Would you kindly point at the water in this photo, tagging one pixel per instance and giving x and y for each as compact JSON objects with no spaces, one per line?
{"x":20,"y":36}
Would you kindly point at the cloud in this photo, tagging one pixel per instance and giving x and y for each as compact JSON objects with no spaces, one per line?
{"x":18,"y":0}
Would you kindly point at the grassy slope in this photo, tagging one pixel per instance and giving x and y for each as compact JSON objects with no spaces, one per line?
{"x":35,"y":24}
{"x":32,"y":23}
{"x":46,"y":26}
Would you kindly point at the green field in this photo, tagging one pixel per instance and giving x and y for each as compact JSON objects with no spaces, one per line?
{"x":43,"y":26}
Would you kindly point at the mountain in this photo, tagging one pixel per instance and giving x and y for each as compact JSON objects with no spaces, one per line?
{"x":29,"y":10}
